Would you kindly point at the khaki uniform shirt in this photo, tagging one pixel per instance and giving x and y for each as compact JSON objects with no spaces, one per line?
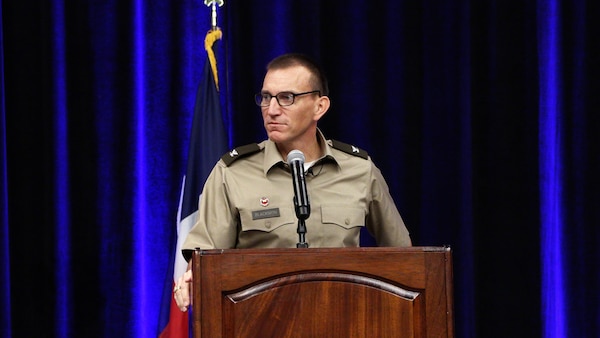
{"x":248,"y":203}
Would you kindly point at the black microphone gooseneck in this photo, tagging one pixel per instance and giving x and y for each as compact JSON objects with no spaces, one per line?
{"x":295,"y":160}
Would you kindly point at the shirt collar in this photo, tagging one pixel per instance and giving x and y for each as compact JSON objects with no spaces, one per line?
{"x":273,"y":157}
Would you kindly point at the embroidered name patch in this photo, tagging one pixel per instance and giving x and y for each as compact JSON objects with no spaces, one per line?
{"x":267,"y":213}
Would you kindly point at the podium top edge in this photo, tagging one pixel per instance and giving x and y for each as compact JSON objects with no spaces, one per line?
{"x":413,"y":249}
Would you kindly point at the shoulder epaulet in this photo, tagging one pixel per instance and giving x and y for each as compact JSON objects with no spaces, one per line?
{"x":350,"y":149}
{"x":240,"y":152}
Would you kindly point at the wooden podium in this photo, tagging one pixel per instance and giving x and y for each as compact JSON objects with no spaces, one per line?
{"x":336,"y":292}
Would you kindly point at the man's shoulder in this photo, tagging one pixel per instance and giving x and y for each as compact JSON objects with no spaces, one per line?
{"x":349,"y":149}
{"x":240,"y":152}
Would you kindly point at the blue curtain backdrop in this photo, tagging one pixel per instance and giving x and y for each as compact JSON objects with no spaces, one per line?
{"x":482,"y":115}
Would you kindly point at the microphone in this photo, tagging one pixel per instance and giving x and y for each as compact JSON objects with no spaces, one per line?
{"x":295,"y":160}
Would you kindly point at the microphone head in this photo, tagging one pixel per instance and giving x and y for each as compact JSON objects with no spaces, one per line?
{"x":295,"y":155}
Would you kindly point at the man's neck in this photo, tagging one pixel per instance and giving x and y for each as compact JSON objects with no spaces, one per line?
{"x":312,"y":149}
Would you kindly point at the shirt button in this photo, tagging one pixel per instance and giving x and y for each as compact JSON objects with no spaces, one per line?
{"x":347,"y":221}
{"x":268,"y":224}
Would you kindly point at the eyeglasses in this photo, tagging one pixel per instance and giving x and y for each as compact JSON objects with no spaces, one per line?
{"x":283,"y":98}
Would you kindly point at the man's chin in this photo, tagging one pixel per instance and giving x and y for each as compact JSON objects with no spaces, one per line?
{"x":275,"y":136}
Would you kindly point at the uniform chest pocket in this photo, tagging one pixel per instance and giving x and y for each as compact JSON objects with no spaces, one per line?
{"x":346,"y":217}
{"x":259,"y":220}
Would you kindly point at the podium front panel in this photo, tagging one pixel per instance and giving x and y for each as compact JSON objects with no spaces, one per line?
{"x":345,"y":292}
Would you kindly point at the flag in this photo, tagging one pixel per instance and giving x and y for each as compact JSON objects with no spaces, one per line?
{"x":208,"y":141}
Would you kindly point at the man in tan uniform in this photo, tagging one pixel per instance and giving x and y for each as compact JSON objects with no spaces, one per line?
{"x":247,"y":201}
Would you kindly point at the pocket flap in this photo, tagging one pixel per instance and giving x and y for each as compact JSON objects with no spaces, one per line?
{"x":343,"y":216}
{"x":267,"y":224}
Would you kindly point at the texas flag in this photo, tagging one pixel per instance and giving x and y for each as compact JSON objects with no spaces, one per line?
{"x":208,"y":141}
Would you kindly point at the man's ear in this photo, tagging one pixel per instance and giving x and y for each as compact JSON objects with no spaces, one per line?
{"x":322,"y":107}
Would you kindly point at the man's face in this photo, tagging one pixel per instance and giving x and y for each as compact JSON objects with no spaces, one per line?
{"x":290,"y":124}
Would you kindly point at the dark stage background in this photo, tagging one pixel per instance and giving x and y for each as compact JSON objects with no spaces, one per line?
{"x":482,"y":115}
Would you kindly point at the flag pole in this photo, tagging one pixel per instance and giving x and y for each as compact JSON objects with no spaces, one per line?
{"x":208,"y":141}
{"x":213,"y":4}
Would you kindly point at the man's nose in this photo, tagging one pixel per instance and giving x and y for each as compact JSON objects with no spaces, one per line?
{"x":274,"y":108}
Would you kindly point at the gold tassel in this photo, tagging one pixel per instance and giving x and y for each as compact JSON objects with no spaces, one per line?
{"x":212,"y":36}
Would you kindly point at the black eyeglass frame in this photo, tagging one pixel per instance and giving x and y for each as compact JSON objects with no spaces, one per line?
{"x":258,"y":98}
